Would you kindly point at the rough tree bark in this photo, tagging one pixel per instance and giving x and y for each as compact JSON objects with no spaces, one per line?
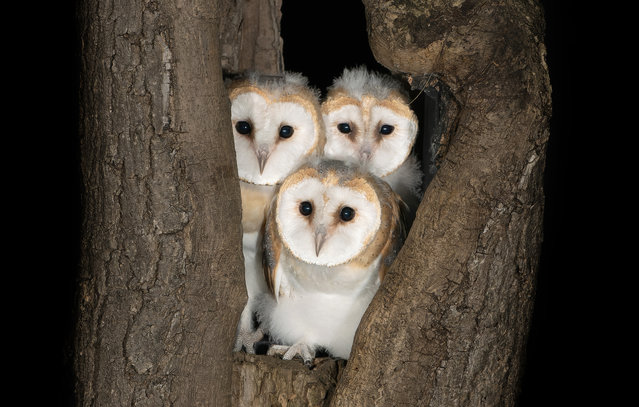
{"x":250,"y":36}
{"x":161,"y":280}
{"x":460,"y":293}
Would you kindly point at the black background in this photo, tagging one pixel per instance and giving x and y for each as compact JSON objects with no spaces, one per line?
{"x":320,"y":39}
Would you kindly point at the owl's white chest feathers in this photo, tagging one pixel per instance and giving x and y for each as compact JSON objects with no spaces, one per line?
{"x":253,"y":274}
{"x":319,"y":305}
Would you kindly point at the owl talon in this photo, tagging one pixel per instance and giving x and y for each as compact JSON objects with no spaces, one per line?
{"x":277,"y":350}
{"x":247,"y":340}
{"x":306,"y":352}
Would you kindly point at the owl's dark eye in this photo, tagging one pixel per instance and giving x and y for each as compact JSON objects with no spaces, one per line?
{"x":347,"y":213}
{"x":243,"y":127}
{"x":386,"y":129}
{"x":286,"y":131}
{"x":306,"y":208}
{"x":344,"y":128}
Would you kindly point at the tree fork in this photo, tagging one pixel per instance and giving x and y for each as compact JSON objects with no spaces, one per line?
{"x":460,"y":294}
{"x":161,"y":282}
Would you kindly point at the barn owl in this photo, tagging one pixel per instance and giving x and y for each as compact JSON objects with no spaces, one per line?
{"x":277,"y":125}
{"x":331,"y":233}
{"x":368,"y":119}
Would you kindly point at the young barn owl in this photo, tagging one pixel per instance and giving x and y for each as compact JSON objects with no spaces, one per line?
{"x":277,"y":125}
{"x":331,"y":233}
{"x":368,"y":119}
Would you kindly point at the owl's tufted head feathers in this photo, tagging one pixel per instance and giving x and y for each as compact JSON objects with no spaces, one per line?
{"x":359,"y":81}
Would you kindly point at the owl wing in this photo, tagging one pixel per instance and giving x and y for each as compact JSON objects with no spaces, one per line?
{"x":272,"y":246}
{"x":397,"y":234}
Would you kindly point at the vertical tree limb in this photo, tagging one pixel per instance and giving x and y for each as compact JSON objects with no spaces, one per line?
{"x":161,"y":281}
{"x":250,"y":36}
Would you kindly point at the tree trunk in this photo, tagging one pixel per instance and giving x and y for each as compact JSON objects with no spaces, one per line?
{"x":161,"y":284}
{"x":161,"y":280}
{"x":460,"y":293}
{"x":250,"y":36}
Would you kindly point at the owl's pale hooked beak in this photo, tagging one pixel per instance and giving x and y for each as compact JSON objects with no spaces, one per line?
{"x":262,"y":156}
{"x":320,"y":238}
{"x":365,"y":154}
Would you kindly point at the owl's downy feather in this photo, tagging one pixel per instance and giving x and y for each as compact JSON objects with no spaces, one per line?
{"x":332,"y":231}
{"x":360,"y":81}
{"x":289,"y":83}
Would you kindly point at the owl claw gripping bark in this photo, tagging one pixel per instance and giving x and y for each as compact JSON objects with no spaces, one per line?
{"x":306,"y":352}
{"x":247,"y":339}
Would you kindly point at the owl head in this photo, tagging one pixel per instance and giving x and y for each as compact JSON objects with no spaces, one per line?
{"x":276,"y":125}
{"x":330,"y":213}
{"x":368,"y":119}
